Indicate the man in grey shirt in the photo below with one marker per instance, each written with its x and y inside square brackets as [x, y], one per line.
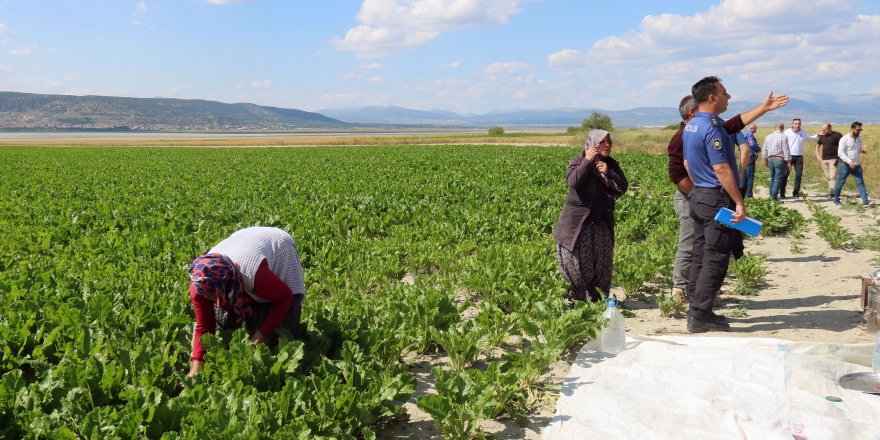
[777, 157]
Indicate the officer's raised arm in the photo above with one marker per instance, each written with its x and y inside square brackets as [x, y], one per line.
[770, 103]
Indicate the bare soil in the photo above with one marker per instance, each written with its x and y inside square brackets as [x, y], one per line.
[810, 295]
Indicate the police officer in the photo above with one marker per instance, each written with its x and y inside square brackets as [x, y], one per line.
[709, 155]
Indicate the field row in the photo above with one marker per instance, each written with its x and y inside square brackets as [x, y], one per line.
[96, 321]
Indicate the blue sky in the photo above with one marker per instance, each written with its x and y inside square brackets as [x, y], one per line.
[468, 56]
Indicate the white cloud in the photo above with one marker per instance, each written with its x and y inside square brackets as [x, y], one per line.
[6, 34]
[261, 84]
[389, 26]
[376, 42]
[372, 66]
[762, 44]
[21, 52]
[69, 78]
[352, 76]
[374, 79]
[503, 68]
[224, 2]
[452, 65]
[51, 84]
[141, 8]
[568, 62]
[340, 97]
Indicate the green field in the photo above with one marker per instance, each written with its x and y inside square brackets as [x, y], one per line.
[96, 322]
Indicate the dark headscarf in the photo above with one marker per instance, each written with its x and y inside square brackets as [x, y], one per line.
[217, 278]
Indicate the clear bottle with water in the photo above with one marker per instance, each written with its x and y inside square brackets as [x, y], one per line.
[875, 361]
[614, 335]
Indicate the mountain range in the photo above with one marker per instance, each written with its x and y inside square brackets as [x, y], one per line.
[813, 109]
[28, 111]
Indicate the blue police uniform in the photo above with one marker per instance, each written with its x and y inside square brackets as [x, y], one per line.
[753, 143]
[706, 143]
[748, 181]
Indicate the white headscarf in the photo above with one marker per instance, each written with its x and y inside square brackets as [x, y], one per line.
[594, 138]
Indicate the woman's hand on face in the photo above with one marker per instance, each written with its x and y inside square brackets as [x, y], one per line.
[602, 167]
[591, 153]
[197, 366]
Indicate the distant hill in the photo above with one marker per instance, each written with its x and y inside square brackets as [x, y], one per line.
[63, 112]
[28, 111]
[373, 114]
[811, 108]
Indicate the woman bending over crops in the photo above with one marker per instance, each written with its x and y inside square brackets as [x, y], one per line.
[585, 230]
[255, 277]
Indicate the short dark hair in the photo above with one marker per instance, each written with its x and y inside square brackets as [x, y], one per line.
[685, 106]
[855, 124]
[705, 87]
[796, 119]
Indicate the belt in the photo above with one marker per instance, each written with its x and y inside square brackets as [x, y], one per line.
[778, 157]
[712, 189]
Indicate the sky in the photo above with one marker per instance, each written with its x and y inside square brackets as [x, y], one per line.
[467, 56]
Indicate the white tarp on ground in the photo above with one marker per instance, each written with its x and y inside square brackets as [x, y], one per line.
[716, 388]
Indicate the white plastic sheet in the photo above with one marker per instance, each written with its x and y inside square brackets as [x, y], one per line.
[718, 388]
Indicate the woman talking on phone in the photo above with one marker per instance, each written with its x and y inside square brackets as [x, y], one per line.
[585, 230]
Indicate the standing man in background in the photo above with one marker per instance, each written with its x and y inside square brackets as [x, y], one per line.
[826, 155]
[711, 163]
[777, 157]
[849, 149]
[748, 180]
[796, 138]
[742, 151]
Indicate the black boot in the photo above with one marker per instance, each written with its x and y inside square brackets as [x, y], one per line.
[695, 325]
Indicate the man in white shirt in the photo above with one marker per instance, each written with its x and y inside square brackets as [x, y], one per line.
[849, 150]
[796, 138]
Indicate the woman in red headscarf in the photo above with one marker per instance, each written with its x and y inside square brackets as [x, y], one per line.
[585, 230]
[255, 277]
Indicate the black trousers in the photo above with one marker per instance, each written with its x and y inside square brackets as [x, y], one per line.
[797, 164]
[713, 244]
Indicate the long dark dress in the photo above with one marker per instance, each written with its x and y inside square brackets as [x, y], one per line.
[585, 230]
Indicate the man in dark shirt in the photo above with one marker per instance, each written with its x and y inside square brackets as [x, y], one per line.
[711, 163]
[678, 174]
[826, 154]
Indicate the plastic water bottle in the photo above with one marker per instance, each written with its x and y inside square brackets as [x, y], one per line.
[614, 336]
[875, 361]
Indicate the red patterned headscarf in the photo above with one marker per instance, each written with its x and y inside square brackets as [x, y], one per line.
[217, 278]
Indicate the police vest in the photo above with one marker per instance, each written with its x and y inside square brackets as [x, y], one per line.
[707, 143]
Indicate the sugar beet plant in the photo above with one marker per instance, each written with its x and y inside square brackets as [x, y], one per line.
[95, 321]
[829, 227]
[776, 219]
[749, 273]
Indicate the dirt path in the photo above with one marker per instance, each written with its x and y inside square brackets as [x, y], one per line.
[810, 296]
[813, 295]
